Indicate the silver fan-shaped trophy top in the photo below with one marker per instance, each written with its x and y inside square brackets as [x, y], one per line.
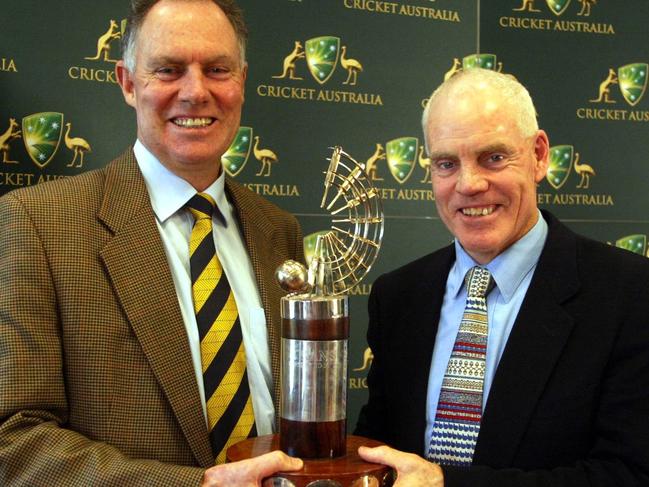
[344, 255]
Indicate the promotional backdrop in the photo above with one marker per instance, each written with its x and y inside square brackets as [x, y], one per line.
[356, 73]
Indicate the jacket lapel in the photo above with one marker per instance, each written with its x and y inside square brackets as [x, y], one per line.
[138, 269]
[414, 341]
[538, 337]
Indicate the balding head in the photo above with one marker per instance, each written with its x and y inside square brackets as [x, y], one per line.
[481, 89]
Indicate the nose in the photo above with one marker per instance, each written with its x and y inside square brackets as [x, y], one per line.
[470, 180]
[193, 88]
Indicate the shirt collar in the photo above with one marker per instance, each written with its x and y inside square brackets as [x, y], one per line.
[168, 192]
[508, 268]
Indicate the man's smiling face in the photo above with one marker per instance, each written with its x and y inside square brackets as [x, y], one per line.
[484, 171]
[187, 86]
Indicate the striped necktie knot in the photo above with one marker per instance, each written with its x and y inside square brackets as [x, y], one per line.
[478, 282]
[201, 205]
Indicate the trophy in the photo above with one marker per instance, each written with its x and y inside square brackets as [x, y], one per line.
[315, 334]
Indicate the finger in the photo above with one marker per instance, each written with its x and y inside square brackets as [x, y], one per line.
[276, 461]
[380, 454]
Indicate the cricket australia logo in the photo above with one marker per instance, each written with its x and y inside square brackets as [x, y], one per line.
[633, 82]
[478, 60]
[42, 136]
[322, 57]
[237, 155]
[557, 7]
[563, 161]
[400, 154]
[631, 79]
[235, 159]
[530, 17]
[636, 243]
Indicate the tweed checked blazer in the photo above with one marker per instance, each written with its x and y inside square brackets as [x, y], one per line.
[97, 385]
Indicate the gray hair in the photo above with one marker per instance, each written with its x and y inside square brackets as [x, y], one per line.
[140, 9]
[514, 94]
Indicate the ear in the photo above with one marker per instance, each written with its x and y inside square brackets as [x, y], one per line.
[126, 83]
[541, 154]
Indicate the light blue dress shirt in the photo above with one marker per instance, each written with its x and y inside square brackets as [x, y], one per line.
[512, 270]
[168, 194]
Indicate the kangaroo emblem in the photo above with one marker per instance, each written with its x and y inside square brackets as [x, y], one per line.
[527, 5]
[605, 88]
[11, 133]
[456, 68]
[370, 164]
[368, 356]
[103, 43]
[289, 62]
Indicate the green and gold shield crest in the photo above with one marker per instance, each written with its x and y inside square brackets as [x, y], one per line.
[322, 57]
[561, 159]
[558, 6]
[484, 61]
[401, 154]
[635, 243]
[42, 136]
[309, 244]
[236, 156]
[633, 81]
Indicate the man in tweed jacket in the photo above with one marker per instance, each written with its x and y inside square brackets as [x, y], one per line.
[98, 374]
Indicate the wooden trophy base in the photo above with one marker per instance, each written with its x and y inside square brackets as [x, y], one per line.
[349, 470]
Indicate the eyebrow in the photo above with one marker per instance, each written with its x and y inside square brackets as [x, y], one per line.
[487, 149]
[179, 61]
[434, 156]
[496, 147]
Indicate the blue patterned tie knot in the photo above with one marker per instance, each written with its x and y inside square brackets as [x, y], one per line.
[478, 282]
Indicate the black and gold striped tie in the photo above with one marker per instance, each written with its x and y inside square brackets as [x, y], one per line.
[230, 415]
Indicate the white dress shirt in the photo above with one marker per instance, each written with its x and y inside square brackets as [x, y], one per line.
[168, 194]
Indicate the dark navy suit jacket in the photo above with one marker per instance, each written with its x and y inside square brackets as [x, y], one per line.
[569, 404]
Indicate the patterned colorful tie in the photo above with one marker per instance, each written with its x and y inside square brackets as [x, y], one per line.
[457, 422]
[230, 415]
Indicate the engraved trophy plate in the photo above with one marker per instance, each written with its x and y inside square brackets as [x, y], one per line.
[315, 371]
